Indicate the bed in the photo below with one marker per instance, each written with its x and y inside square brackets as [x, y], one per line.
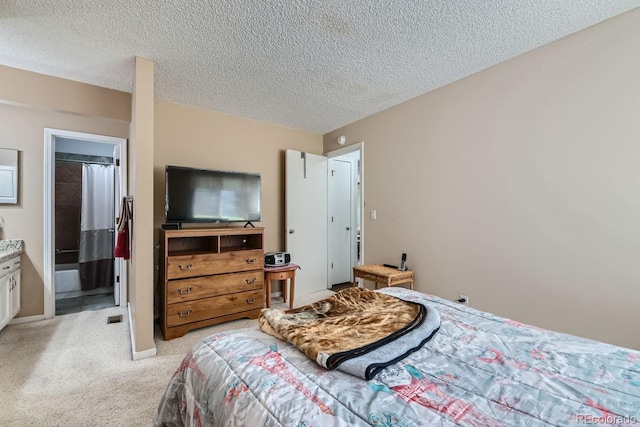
[477, 370]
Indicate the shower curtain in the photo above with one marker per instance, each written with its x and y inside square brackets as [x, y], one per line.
[97, 222]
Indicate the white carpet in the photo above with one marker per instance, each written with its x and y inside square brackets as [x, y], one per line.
[76, 370]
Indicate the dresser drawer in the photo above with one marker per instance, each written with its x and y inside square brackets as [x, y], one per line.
[209, 286]
[12, 264]
[282, 275]
[208, 308]
[183, 266]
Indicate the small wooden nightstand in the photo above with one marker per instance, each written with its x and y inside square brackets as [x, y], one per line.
[384, 275]
[285, 273]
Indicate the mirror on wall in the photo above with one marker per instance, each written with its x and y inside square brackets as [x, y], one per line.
[8, 176]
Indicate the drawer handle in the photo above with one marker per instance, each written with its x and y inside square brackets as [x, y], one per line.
[187, 314]
[184, 292]
[6, 267]
[250, 281]
[251, 260]
[185, 267]
[252, 300]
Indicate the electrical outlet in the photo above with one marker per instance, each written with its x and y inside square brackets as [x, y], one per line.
[463, 299]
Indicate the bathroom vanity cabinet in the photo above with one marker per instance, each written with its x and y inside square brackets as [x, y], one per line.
[9, 289]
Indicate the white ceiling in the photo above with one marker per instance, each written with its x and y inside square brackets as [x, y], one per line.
[310, 65]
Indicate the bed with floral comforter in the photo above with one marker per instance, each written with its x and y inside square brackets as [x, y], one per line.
[478, 370]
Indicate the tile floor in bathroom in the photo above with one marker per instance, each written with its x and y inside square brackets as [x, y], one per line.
[84, 303]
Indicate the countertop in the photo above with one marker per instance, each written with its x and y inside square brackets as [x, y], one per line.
[10, 248]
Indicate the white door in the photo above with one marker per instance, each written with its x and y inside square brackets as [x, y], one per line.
[306, 219]
[339, 222]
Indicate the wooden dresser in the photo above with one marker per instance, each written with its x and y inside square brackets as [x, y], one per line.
[209, 276]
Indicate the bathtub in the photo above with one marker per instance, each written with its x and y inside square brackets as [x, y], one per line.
[67, 283]
[67, 277]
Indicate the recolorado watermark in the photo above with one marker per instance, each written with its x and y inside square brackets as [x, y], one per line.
[607, 419]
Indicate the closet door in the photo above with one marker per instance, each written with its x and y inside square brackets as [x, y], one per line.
[340, 228]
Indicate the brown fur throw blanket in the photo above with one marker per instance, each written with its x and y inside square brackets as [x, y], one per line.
[356, 330]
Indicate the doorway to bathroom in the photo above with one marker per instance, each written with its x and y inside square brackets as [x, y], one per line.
[85, 178]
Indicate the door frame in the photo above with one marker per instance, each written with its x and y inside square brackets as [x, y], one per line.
[359, 146]
[49, 209]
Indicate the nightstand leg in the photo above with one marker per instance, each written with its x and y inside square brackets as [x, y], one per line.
[291, 291]
[284, 290]
[268, 293]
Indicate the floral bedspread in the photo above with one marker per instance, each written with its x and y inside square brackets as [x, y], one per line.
[479, 370]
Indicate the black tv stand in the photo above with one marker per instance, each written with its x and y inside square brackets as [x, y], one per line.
[172, 226]
[249, 224]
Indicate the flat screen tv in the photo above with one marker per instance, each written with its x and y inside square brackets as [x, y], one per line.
[207, 195]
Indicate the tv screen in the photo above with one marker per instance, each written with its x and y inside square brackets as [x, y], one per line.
[207, 195]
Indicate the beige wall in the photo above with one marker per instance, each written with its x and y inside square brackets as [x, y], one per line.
[188, 136]
[518, 186]
[30, 102]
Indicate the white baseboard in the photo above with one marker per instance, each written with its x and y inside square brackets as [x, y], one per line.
[137, 355]
[27, 319]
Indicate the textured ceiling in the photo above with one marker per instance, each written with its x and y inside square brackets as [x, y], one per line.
[304, 64]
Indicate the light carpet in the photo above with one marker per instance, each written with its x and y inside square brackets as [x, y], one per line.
[76, 370]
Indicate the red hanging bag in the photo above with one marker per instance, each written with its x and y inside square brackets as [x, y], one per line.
[122, 249]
